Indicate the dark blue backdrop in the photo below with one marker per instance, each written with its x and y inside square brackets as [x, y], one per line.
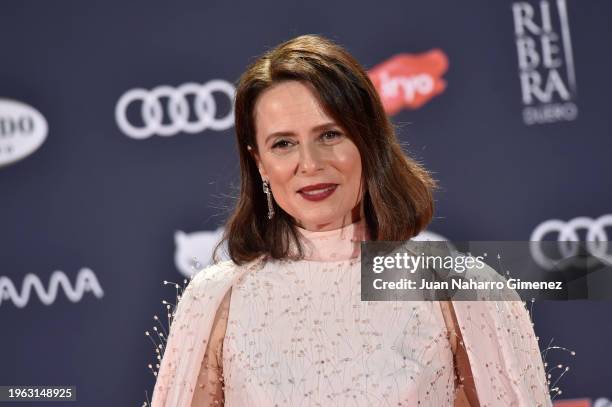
[93, 197]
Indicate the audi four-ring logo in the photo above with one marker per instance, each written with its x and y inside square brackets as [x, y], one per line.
[152, 112]
[567, 232]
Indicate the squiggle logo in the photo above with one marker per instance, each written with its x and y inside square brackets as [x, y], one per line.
[86, 281]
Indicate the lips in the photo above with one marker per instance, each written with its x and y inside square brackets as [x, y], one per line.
[317, 187]
[317, 192]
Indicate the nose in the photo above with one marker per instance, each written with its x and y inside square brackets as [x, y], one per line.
[311, 159]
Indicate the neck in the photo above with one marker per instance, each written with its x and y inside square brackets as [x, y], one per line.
[333, 245]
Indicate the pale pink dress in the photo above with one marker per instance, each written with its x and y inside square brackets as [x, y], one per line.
[298, 335]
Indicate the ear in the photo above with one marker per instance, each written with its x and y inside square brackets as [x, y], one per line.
[260, 167]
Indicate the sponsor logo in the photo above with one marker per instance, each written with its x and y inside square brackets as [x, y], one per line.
[190, 99]
[545, 61]
[193, 251]
[22, 131]
[600, 402]
[427, 236]
[408, 81]
[573, 403]
[86, 281]
[567, 232]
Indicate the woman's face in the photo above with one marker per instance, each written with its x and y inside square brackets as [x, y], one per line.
[313, 167]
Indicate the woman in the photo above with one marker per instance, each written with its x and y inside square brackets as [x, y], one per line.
[282, 322]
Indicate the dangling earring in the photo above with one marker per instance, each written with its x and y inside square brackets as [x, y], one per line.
[266, 189]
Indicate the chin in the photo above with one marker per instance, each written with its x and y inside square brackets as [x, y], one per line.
[319, 213]
[320, 220]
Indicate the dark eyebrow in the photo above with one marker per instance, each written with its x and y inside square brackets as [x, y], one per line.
[316, 129]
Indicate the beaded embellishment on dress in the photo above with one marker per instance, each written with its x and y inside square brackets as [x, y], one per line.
[282, 332]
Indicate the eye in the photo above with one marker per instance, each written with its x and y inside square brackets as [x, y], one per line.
[331, 135]
[281, 144]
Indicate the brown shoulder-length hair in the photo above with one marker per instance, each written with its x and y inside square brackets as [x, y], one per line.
[397, 199]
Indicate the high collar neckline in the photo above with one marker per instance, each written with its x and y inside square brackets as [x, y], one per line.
[339, 244]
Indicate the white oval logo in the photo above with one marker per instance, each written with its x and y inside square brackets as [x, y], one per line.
[22, 130]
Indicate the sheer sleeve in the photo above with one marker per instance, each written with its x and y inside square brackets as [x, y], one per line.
[209, 391]
[190, 332]
[498, 351]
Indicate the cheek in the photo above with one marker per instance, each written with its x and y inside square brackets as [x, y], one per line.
[349, 163]
[356, 176]
[280, 172]
[278, 169]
